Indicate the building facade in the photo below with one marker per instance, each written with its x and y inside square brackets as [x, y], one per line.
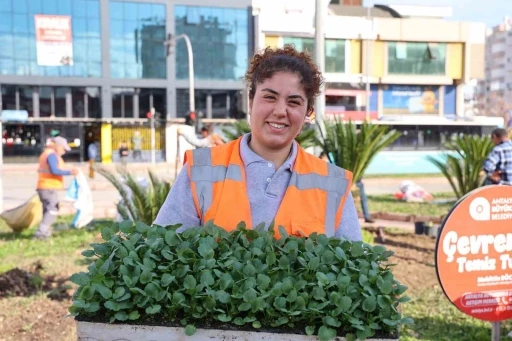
[496, 90]
[416, 62]
[93, 69]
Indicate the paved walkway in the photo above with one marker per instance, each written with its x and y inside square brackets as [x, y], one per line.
[19, 182]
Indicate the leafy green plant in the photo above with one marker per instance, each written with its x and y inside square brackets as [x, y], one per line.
[305, 139]
[368, 237]
[237, 129]
[138, 202]
[353, 148]
[463, 162]
[244, 279]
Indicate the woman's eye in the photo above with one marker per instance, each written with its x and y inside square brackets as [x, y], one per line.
[295, 102]
[269, 97]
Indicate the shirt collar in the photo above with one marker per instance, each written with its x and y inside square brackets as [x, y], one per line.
[249, 156]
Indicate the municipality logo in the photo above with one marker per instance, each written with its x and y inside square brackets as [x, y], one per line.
[480, 209]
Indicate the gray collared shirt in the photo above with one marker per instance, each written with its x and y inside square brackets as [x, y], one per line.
[266, 187]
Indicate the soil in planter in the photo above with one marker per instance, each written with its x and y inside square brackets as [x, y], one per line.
[159, 320]
[19, 282]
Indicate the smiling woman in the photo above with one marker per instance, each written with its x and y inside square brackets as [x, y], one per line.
[265, 176]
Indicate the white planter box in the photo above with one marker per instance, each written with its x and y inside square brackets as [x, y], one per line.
[88, 331]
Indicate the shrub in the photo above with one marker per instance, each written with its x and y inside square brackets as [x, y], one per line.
[353, 148]
[139, 201]
[244, 279]
[462, 163]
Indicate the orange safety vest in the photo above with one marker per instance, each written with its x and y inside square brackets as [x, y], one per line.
[313, 201]
[46, 179]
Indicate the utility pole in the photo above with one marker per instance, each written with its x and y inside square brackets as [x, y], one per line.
[153, 142]
[367, 61]
[320, 16]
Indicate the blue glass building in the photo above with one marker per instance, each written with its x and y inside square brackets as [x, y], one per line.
[118, 68]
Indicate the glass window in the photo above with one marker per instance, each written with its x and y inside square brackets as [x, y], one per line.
[18, 6]
[78, 98]
[25, 94]
[152, 98]
[6, 66]
[408, 140]
[301, 44]
[5, 23]
[60, 101]
[334, 55]
[225, 103]
[219, 38]
[17, 31]
[45, 101]
[334, 51]
[8, 97]
[93, 102]
[137, 36]
[407, 58]
[7, 43]
[122, 102]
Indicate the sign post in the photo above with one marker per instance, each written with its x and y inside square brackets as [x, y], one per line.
[153, 144]
[473, 260]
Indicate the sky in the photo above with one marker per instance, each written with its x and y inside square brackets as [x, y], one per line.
[490, 12]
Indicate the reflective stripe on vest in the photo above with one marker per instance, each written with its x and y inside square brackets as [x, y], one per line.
[204, 175]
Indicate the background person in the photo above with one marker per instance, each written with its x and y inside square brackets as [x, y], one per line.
[188, 132]
[498, 165]
[267, 178]
[51, 171]
[137, 146]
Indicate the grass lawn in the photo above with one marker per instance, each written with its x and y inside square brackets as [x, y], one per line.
[436, 319]
[389, 204]
[41, 317]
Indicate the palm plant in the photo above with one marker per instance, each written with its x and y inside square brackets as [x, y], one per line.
[463, 162]
[138, 202]
[237, 129]
[354, 148]
[305, 139]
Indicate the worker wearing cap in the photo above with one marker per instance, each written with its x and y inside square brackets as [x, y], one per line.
[51, 172]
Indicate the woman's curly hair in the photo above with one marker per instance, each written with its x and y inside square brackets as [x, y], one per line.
[287, 59]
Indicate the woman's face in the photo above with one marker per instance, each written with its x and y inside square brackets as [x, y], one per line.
[278, 110]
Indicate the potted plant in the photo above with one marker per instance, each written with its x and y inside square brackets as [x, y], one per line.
[152, 283]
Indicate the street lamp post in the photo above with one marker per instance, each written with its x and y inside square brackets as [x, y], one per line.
[170, 42]
[367, 62]
[320, 16]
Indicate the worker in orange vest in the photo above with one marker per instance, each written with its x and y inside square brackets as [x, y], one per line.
[51, 172]
[265, 176]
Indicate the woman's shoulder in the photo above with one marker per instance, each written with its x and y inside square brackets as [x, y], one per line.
[311, 161]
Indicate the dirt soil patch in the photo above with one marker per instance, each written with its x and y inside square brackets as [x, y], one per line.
[23, 283]
[414, 256]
